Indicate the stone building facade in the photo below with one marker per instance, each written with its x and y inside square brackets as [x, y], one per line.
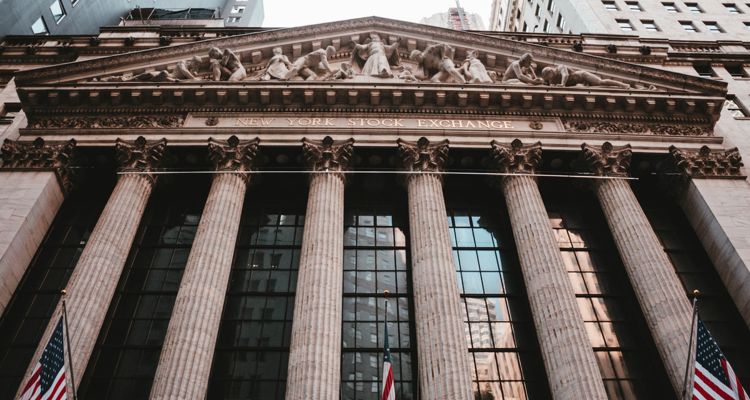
[227, 210]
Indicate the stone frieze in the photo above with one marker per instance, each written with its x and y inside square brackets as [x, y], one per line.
[578, 126]
[107, 122]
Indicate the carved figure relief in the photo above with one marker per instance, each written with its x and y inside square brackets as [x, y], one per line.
[183, 71]
[560, 75]
[474, 70]
[407, 75]
[311, 65]
[345, 71]
[708, 164]
[437, 63]
[277, 66]
[132, 121]
[521, 71]
[225, 65]
[375, 58]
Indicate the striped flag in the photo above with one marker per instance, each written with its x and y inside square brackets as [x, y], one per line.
[48, 382]
[389, 391]
[714, 378]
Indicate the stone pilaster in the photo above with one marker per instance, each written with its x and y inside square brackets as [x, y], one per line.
[714, 199]
[444, 366]
[314, 370]
[33, 180]
[185, 361]
[95, 277]
[663, 301]
[569, 360]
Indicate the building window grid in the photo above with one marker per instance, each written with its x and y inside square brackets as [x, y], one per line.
[127, 351]
[58, 11]
[671, 7]
[688, 26]
[375, 259]
[492, 297]
[39, 27]
[732, 8]
[694, 8]
[610, 6]
[713, 26]
[32, 305]
[634, 6]
[650, 25]
[601, 301]
[625, 25]
[252, 351]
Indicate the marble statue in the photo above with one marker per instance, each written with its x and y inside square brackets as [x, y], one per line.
[407, 75]
[559, 75]
[309, 66]
[375, 58]
[437, 63]
[474, 70]
[226, 66]
[184, 70]
[521, 71]
[277, 66]
[345, 71]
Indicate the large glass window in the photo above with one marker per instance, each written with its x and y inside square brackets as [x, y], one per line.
[499, 331]
[696, 271]
[39, 27]
[29, 311]
[58, 11]
[252, 351]
[375, 260]
[127, 351]
[627, 358]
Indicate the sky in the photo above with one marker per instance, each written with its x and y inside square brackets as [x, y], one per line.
[290, 13]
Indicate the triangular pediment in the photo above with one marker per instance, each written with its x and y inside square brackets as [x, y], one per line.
[164, 65]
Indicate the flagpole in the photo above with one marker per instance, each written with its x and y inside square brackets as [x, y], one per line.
[686, 381]
[67, 344]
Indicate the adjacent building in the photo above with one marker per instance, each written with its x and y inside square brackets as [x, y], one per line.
[456, 18]
[226, 225]
[708, 20]
[68, 17]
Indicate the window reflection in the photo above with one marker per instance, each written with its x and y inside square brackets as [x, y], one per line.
[375, 260]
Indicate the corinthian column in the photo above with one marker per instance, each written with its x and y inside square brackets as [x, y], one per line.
[663, 301]
[94, 279]
[568, 357]
[444, 367]
[185, 362]
[315, 353]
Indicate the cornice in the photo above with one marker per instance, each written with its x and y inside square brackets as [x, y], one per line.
[435, 34]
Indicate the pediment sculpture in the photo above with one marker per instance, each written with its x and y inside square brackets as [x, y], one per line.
[371, 61]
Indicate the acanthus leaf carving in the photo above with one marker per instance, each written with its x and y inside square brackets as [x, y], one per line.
[39, 155]
[328, 155]
[706, 163]
[607, 160]
[232, 154]
[140, 156]
[516, 158]
[108, 122]
[423, 156]
[635, 128]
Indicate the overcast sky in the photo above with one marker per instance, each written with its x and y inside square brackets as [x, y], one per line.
[289, 13]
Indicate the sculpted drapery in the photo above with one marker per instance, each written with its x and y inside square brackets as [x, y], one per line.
[375, 58]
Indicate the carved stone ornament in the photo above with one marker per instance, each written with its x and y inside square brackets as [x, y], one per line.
[233, 155]
[40, 156]
[636, 128]
[708, 164]
[327, 155]
[516, 159]
[607, 160]
[140, 156]
[423, 156]
[133, 121]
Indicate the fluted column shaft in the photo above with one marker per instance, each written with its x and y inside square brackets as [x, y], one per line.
[185, 362]
[444, 367]
[568, 357]
[315, 353]
[662, 298]
[95, 277]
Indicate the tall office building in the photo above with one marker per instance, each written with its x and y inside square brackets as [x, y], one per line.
[539, 208]
[456, 18]
[696, 20]
[70, 17]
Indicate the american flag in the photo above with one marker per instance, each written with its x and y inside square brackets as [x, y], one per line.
[714, 378]
[389, 391]
[48, 382]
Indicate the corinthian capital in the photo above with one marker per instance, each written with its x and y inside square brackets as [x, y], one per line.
[140, 156]
[423, 156]
[516, 158]
[40, 156]
[607, 160]
[233, 155]
[705, 163]
[327, 155]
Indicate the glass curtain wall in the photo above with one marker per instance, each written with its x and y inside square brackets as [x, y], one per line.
[32, 305]
[124, 360]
